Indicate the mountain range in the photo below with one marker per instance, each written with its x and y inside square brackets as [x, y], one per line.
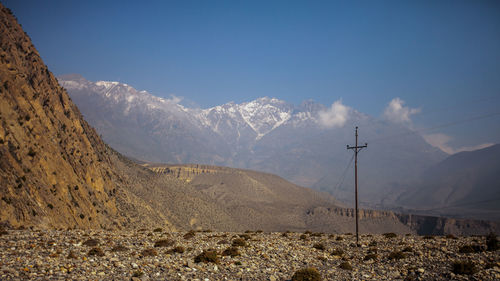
[305, 144]
[466, 184]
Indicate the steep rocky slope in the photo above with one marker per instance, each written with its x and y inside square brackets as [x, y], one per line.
[55, 171]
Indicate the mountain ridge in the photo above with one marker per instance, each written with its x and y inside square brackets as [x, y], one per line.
[266, 135]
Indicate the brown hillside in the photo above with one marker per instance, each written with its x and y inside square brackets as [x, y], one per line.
[55, 171]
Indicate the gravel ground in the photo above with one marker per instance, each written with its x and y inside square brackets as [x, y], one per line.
[132, 255]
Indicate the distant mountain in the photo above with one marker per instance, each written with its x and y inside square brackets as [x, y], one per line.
[466, 183]
[299, 143]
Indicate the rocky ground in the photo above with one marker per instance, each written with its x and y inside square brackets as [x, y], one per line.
[158, 255]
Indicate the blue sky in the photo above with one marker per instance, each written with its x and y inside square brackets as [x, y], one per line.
[441, 57]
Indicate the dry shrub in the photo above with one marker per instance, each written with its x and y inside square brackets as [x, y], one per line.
[306, 274]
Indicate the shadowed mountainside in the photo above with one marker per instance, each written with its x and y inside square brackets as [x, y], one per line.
[464, 184]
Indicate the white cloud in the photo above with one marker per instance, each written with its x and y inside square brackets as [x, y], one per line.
[335, 116]
[398, 113]
[441, 141]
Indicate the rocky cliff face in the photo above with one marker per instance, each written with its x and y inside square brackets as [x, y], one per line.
[55, 171]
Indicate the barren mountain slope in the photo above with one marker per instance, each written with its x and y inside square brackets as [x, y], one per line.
[55, 171]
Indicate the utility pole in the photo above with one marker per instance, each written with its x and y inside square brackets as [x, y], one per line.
[356, 149]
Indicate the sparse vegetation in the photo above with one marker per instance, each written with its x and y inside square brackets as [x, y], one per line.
[306, 274]
[407, 249]
[463, 267]
[370, 257]
[206, 257]
[319, 246]
[390, 235]
[189, 235]
[345, 265]
[159, 229]
[72, 255]
[468, 249]
[231, 251]
[137, 273]
[149, 252]
[303, 237]
[91, 242]
[96, 251]
[164, 243]
[451, 236]
[245, 236]
[119, 248]
[238, 242]
[337, 252]
[339, 238]
[396, 255]
[31, 152]
[492, 242]
[177, 249]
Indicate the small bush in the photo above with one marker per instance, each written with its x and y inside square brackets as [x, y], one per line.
[164, 243]
[177, 249]
[245, 236]
[137, 273]
[238, 242]
[337, 252]
[159, 229]
[31, 152]
[231, 251]
[119, 248]
[339, 238]
[451, 236]
[370, 257]
[372, 244]
[463, 267]
[428, 237]
[303, 237]
[96, 251]
[408, 249]
[390, 235]
[223, 241]
[306, 274]
[91, 242]
[206, 257]
[72, 255]
[468, 249]
[492, 242]
[149, 252]
[396, 255]
[50, 206]
[284, 234]
[317, 234]
[189, 235]
[346, 265]
[307, 232]
[319, 246]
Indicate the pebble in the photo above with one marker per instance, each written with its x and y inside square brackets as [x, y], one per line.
[27, 254]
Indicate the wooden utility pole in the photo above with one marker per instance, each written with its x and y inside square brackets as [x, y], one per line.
[356, 149]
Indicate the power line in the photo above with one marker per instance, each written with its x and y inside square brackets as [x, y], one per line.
[445, 125]
[341, 181]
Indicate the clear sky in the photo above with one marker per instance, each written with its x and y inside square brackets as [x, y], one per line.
[441, 58]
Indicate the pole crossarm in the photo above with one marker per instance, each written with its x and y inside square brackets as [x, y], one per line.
[357, 148]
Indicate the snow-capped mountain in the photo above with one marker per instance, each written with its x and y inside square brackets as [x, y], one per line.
[305, 144]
